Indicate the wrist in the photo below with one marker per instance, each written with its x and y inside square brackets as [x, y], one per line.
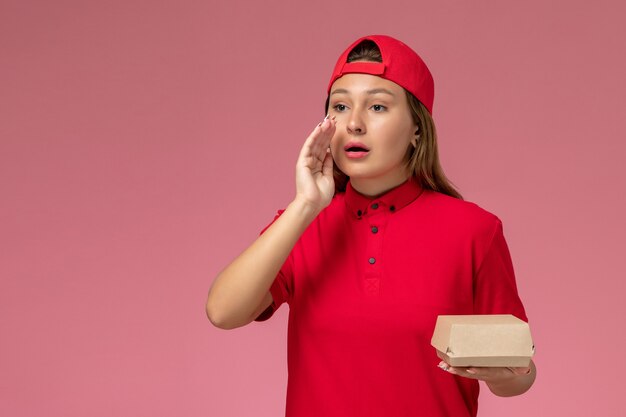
[303, 209]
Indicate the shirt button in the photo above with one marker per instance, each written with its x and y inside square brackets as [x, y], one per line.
[392, 208]
[359, 212]
[374, 229]
[375, 206]
[372, 260]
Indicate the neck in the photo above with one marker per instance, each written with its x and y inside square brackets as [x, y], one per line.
[372, 188]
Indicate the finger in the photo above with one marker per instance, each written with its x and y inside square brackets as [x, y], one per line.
[327, 169]
[467, 372]
[319, 161]
[461, 371]
[307, 146]
[519, 370]
[444, 365]
[314, 146]
[489, 373]
[321, 142]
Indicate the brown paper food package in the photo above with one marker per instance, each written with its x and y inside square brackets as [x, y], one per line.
[483, 340]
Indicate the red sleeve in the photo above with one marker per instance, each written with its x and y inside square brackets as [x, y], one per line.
[280, 288]
[495, 289]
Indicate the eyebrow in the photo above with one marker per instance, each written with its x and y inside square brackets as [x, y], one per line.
[374, 91]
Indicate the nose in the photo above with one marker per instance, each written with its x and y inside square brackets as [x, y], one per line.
[355, 124]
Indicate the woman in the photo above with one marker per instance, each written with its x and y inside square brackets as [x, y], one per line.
[375, 245]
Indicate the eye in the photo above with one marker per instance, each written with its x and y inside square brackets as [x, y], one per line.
[379, 107]
[339, 107]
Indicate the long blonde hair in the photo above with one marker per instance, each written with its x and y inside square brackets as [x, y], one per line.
[422, 160]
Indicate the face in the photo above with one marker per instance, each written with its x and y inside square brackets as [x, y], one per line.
[374, 131]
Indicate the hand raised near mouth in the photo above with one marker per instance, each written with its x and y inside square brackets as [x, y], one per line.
[315, 185]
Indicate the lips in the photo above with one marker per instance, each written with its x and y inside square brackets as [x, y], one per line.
[355, 147]
[356, 150]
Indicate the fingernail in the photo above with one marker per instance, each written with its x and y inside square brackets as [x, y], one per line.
[326, 116]
[470, 371]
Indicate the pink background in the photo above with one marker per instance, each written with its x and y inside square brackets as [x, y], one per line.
[144, 144]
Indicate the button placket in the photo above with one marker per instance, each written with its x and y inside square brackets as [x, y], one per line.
[376, 220]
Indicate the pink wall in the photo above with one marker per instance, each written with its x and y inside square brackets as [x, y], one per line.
[144, 144]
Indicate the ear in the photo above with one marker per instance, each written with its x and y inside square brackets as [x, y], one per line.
[415, 138]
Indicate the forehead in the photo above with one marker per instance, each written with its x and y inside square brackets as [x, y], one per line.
[361, 83]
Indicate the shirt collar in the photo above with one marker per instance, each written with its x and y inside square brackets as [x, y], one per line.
[393, 200]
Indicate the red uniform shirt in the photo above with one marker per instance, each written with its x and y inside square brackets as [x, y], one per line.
[365, 283]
